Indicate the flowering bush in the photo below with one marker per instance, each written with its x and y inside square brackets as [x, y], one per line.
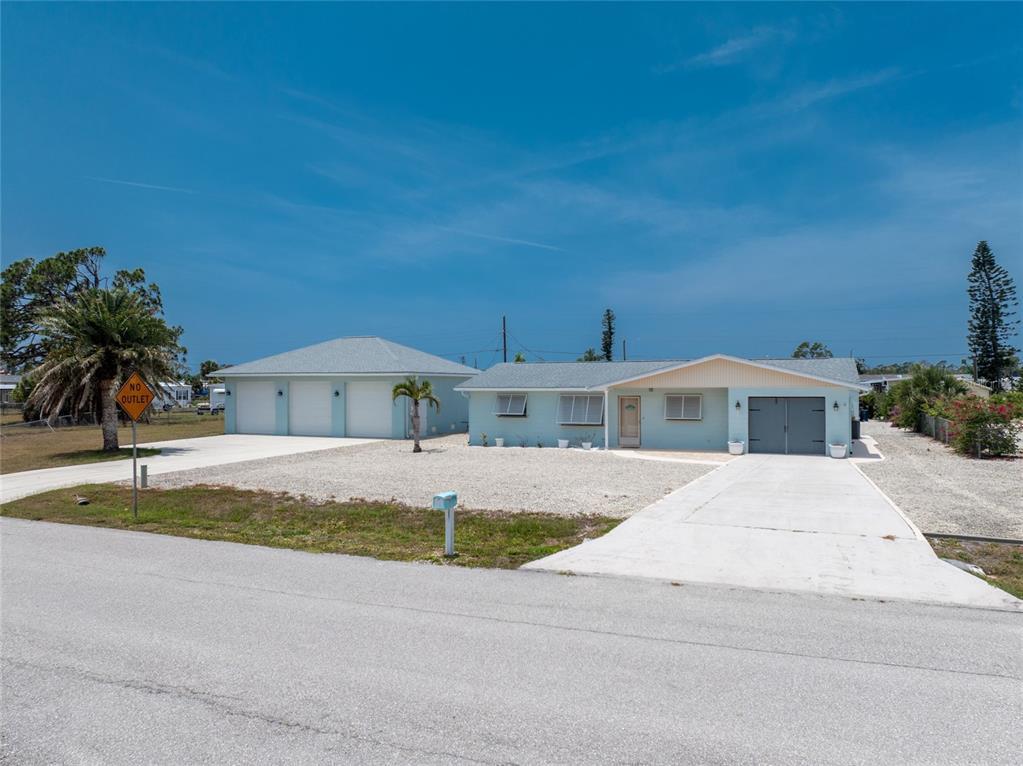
[984, 427]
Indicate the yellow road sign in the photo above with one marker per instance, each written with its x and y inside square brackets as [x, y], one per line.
[134, 396]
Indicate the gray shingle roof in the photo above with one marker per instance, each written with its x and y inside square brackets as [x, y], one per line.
[578, 375]
[356, 355]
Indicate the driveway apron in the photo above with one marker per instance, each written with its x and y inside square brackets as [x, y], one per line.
[780, 522]
[176, 455]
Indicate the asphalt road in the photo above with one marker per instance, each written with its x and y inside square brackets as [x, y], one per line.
[122, 647]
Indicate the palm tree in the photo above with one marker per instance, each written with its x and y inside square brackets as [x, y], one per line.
[418, 391]
[95, 341]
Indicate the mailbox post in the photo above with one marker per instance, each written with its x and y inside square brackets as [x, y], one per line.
[446, 501]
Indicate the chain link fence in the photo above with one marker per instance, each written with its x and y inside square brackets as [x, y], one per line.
[935, 427]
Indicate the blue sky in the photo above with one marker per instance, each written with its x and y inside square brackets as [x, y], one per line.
[728, 178]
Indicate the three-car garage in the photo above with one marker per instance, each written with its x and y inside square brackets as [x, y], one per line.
[342, 388]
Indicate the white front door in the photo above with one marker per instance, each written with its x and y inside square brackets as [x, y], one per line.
[628, 421]
[368, 409]
[256, 407]
[309, 408]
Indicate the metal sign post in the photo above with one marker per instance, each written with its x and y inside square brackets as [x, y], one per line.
[134, 397]
[134, 473]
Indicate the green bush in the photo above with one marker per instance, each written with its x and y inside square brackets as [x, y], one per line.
[985, 427]
[1014, 398]
[911, 396]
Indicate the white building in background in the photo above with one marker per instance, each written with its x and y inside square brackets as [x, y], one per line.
[174, 394]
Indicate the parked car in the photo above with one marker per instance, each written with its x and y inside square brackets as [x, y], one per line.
[207, 409]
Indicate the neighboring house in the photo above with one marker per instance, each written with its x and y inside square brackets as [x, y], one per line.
[881, 383]
[342, 388]
[173, 393]
[794, 406]
[7, 385]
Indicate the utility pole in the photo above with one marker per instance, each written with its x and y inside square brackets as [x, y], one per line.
[504, 336]
[624, 355]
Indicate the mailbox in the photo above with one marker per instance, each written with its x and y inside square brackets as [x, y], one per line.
[445, 501]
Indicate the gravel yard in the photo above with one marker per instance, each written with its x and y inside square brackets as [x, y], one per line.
[944, 492]
[486, 478]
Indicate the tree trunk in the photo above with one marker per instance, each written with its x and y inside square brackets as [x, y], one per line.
[415, 426]
[109, 417]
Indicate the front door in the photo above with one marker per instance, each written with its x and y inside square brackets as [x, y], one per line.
[628, 421]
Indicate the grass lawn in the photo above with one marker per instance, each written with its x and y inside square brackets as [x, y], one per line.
[1002, 563]
[361, 528]
[23, 449]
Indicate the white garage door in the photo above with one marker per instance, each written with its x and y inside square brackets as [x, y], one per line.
[255, 408]
[309, 408]
[368, 410]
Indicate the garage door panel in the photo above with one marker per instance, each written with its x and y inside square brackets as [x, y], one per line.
[368, 409]
[309, 408]
[806, 426]
[767, 424]
[255, 407]
[787, 425]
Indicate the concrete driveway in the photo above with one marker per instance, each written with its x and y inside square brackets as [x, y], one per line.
[781, 523]
[176, 455]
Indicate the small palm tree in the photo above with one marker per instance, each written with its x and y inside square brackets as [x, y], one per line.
[95, 340]
[418, 391]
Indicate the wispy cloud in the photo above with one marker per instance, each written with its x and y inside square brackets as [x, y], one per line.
[140, 185]
[732, 50]
[813, 94]
[496, 238]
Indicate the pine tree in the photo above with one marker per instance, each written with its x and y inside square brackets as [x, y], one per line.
[607, 338]
[991, 327]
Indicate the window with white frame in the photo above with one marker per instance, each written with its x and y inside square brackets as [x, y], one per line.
[683, 407]
[581, 409]
[511, 405]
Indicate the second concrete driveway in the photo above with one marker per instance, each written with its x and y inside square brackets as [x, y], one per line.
[176, 455]
[781, 523]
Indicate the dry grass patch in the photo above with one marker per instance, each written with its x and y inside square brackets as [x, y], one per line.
[1001, 562]
[384, 530]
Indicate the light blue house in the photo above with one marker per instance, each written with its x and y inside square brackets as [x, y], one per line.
[788, 406]
[342, 388]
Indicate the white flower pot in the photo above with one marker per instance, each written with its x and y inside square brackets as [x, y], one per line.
[562, 443]
[587, 445]
[837, 450]
[499, 441]
[735, 448]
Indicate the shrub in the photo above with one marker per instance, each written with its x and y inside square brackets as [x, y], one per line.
[988, 426]
[911, 395]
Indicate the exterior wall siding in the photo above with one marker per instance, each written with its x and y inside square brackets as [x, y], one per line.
[453, 417]
[708, 433]
[722, 373]
[539, 424]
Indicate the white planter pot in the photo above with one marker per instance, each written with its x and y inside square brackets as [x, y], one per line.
[735, 448]
[587, 445]
[562, 443]
[837, 450]
[499, 441]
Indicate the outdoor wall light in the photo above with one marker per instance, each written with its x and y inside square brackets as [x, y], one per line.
[738, 405]
[281, 393]
[835, 406]
[228, 392]
[337, 394]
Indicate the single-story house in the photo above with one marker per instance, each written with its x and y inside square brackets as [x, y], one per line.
[342, 387]
[882, 382]
[789, 406]
[7, 385]
[174, 393]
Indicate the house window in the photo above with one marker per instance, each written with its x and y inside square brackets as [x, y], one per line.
[511, 405]
[581, 410]
[683, 407]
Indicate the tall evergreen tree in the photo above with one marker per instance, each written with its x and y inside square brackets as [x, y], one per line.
[992, 308]
[607, 338]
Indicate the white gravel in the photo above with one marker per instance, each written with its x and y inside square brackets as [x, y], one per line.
[945, 492]
[486, 478]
